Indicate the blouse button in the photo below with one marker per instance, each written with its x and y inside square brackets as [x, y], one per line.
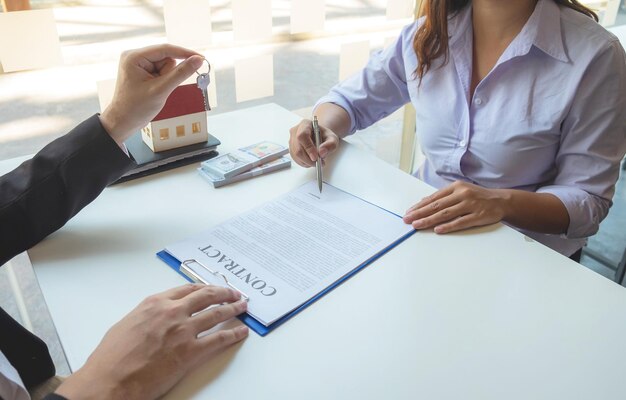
[478, 101]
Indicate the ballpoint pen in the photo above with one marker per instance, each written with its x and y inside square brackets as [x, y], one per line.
[318, 163]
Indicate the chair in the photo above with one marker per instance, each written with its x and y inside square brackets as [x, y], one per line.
[620, 267]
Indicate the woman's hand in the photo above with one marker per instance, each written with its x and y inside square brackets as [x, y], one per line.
[301, 144]
[153, 347]
[458, 206]
[145, 79]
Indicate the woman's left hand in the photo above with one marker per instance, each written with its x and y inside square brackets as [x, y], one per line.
[458, 206]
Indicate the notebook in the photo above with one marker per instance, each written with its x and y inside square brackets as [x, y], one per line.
[149, 162]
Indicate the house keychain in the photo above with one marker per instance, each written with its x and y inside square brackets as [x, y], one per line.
[203, 81]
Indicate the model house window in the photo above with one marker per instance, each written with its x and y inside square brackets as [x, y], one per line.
[195, 127]
[164, 134]
[180, 130]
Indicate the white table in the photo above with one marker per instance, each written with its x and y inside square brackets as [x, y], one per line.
[484, 314]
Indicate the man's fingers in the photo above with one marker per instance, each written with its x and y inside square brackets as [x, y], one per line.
[208, 296]
[177, 75]
[160, 51]
[181, 291]
[207, 319]
[221, 339]
[164, 66]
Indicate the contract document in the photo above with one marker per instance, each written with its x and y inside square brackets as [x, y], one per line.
[286, 252]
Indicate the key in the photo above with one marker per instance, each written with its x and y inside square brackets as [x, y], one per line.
[203, 81]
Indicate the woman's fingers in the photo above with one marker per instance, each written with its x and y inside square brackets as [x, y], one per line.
[302, 147]
[299, 141]
[458, 224]
[439, 194]
[440, 217]
[427, 209]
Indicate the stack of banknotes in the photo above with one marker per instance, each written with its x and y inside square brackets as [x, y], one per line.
[244, 163]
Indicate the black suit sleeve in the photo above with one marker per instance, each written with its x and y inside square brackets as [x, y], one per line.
[43, 193]
[36, 199]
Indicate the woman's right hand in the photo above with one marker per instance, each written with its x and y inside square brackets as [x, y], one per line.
[302, 146]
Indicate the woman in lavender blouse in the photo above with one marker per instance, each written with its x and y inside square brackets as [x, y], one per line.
[521, 115]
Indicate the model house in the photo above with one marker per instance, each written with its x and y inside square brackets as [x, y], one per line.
[181, 122]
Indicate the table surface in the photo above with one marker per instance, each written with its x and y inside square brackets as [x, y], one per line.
[483, 314]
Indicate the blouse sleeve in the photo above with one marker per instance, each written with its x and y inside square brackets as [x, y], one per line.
[593, 143]
[379, 89]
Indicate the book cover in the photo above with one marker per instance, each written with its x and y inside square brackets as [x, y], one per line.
[149, 162]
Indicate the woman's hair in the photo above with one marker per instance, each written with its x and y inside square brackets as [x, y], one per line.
[431, 39]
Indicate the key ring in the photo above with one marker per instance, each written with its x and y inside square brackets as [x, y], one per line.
[207, 63]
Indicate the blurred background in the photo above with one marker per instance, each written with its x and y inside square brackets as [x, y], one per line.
[58, 63]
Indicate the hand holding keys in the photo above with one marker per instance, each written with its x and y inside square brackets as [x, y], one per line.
[203, 81]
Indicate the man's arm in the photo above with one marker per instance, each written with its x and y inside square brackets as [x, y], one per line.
[154, 346]
[145, 354]
[43, 193]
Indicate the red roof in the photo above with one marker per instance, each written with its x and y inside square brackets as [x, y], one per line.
[185, 99]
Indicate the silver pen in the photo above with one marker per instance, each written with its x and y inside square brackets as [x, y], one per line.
[318, 163]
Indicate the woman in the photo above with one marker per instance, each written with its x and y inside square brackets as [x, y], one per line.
[520, 110]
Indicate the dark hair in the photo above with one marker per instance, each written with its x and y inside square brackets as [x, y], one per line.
[431, 39]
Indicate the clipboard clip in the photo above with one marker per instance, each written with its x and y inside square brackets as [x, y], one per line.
[194, 276]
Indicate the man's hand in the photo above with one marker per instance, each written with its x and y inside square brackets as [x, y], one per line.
[145, 79]
[458, 206]
[153, 347]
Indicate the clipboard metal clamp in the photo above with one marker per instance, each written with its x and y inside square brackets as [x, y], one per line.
[194, 276]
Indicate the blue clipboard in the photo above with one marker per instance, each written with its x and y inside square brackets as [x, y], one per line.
[257, 326]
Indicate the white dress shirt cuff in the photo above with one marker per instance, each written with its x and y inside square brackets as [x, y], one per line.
[11, 385]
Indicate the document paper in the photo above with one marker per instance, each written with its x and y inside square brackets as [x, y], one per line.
[285, 252]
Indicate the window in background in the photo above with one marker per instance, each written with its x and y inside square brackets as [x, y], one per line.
[37, 106]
